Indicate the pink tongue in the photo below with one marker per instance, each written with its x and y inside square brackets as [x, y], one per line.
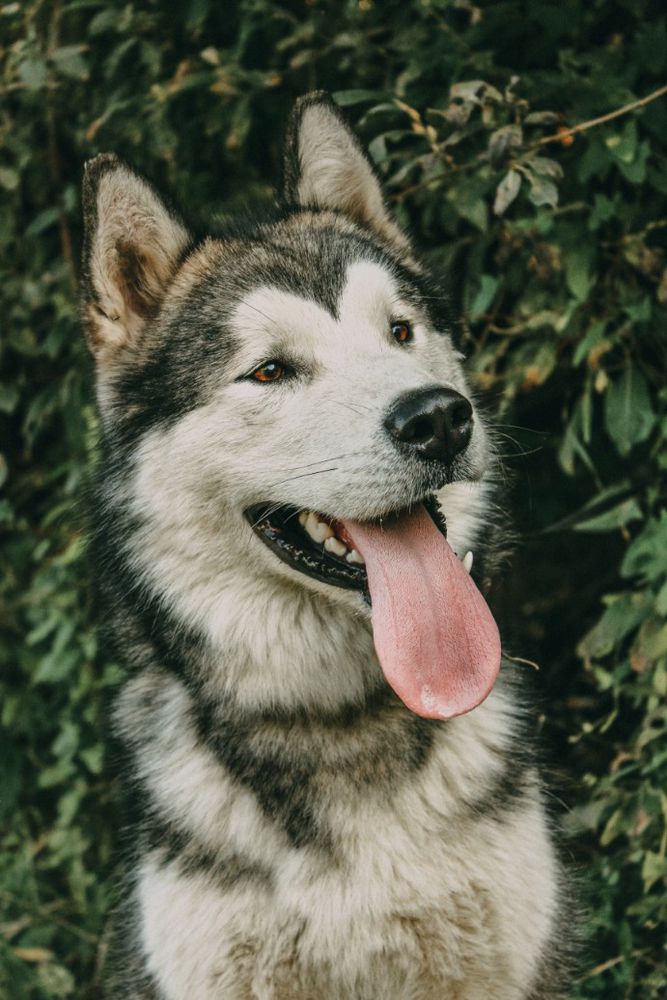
[434, 634]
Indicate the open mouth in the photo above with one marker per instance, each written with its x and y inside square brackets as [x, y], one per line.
[434, 635]
[319, 545]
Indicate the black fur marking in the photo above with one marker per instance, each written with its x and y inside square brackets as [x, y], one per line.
[127, 977]
[282, 787]
[509, 788]
[173, 846]
[289, 761]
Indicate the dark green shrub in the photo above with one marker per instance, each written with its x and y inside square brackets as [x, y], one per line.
[555, 245]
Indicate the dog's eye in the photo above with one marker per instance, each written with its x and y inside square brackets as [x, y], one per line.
[401, 331]
[270, 371]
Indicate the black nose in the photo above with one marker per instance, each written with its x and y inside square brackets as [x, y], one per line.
[433, 423]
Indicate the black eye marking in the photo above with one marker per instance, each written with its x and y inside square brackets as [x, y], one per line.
[401, 331]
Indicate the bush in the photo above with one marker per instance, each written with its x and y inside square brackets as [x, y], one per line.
[494, 131]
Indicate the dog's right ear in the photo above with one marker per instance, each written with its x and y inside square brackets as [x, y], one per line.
[132, 248]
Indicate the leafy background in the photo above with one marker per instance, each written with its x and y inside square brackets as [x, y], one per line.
[556, 248]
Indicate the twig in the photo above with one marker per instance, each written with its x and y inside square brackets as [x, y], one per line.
[609, 964]
[480, 158]
[584, 126]
[45, 912]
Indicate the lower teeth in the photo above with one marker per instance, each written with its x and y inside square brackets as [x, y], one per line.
[321, 533]
[333, 545]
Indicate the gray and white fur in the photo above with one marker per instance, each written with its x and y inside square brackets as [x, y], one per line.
[294, 830]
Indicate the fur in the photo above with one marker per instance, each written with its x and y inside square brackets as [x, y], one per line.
[295, 832]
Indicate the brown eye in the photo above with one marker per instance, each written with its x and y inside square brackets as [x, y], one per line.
[401, 331]
[272, 371]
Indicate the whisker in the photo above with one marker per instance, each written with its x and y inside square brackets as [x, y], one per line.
[518, 427]
[304, 475]
[267, 513]
[519, 454]
[309, 465]
[255, 309]
[321, 461]
[349, 406]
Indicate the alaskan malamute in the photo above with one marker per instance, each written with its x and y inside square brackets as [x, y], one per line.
[331, 792]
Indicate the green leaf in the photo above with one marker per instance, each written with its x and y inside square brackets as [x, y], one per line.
[624, 612]
[579, 273]
[654, 869]
[594, 336]
[56, 980]
[42, 222]
[646, 554]
[9, 397]
[543, 192]
[541, 118]
[603, 210]
[545, 167]
[620, 515]
[346, 98]
[377, 149]
[69, 61]
[635, 172]
[9, 178]
[623, 145]
[507, 191]
[485, 295]
[470, 205]
[629, 416]
[503, 143]
[33, 73]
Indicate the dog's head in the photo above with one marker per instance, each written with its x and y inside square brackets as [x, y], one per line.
[288, 405]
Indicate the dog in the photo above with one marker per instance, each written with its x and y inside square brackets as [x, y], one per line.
[331, 789]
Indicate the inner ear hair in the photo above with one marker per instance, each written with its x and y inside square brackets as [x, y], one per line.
[326, 168]
[133, 244]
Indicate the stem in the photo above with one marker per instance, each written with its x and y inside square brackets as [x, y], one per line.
[584, 126]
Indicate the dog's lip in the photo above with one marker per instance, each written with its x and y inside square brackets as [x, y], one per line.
[279, 528]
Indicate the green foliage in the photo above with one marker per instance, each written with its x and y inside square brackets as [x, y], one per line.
[556, 245]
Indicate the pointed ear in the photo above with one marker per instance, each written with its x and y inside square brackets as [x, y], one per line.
[325, 167]
[132, 247]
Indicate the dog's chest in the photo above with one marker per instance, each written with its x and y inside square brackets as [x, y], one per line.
[400, 897]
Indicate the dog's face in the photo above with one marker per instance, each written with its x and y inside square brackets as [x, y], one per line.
[283, 391]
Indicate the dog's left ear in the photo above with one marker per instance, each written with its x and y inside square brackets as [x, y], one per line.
[326, 168]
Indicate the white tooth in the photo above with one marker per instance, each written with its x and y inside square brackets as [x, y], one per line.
[333, 544]
[303, 517]
[467, 562]
[311, 524]
[355, 557]
[317, 529]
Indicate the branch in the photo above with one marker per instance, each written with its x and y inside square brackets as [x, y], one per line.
[557, 137]
[584, 126]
